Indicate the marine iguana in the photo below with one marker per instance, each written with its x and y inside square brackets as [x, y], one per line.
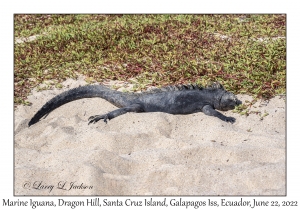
[180, 99]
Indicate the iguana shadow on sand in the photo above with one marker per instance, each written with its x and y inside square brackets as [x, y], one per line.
[182, 99]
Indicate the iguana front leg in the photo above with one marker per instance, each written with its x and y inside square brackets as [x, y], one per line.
[116, 113]
[209, 110]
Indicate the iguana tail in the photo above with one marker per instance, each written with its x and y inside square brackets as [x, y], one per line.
[91, 91]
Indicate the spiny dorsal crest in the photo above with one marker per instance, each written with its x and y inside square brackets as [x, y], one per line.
[215, 85]
[176, 88]
[212, 86]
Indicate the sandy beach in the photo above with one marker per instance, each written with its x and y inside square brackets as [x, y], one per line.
[148, 153]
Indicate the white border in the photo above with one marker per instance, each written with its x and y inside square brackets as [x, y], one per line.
[153, 6]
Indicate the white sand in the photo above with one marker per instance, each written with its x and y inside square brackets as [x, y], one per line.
[148, 153]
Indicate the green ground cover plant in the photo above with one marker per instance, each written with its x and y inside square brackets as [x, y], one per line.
[245, 53]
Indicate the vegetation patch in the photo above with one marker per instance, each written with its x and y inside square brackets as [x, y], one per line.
[246, 53]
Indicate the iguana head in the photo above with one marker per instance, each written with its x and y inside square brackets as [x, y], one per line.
[224, 100]
[228, 101]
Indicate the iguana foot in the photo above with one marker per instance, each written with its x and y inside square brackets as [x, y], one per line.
[229, 119]
[96, 118]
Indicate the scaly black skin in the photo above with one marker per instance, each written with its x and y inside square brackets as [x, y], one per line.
[173, 100]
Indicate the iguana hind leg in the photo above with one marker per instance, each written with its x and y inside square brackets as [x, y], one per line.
[116, 113]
